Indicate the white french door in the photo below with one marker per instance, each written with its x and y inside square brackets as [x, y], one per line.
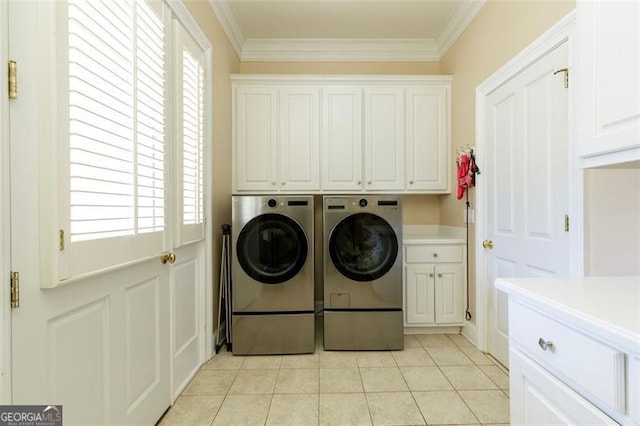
[114, 343]
[527, 177]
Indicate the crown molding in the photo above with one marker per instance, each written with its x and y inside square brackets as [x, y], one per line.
[345, 49]
[339, 50]
[456, 24]
[227, 18]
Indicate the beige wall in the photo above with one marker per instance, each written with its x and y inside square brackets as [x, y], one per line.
[612, 222]
[225, 62]
[499, 32]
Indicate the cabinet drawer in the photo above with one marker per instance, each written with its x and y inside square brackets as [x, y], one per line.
[595, 368]
[433, 253]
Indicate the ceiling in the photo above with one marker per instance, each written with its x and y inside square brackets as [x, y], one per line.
[393, 30]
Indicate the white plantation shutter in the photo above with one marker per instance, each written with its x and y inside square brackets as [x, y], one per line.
[132, 133]
[116, 119]
[191, 122]
[116, 141]
[150, 121]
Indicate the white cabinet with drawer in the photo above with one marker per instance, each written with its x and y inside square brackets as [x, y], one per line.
[574, 346]
[434, 285]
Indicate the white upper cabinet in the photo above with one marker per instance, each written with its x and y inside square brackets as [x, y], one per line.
[384, 138]
[299, 139]
[341, 139]
[609, 82]
[276, 138]
[427, 139]
[256, 138]
[337, 134]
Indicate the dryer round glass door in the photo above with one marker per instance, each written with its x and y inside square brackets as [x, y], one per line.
[363, 247]
[272, 248]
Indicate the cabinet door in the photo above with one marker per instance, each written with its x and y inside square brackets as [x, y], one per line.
[427, 139]
[609, 82]
[341, 142]
[384, 138]
[449, 291]
[299, 153]
[539, 398]
[256, 136]
[419, 294]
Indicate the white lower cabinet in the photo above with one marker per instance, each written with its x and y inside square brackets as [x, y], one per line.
[434, 285]
[434, 294]
[561, 375]
[539, 398]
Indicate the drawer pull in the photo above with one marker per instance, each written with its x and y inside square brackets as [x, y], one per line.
[544, 344]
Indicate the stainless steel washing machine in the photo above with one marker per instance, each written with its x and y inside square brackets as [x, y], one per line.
[362, 272]
[272, 275]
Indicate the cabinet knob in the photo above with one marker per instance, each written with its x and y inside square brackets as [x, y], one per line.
[410, 182]
[273, 183]
[431, 275]
[439, 275]
[435, 254]
[545, 344]
[359, 182]
[284, 183]
[369, 183]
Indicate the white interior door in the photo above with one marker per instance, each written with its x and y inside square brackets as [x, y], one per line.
[526, 169]
[98, 345]
[111, 345]
[187, 274]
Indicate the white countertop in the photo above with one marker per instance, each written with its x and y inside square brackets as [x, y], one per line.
[607, 307]
[433, 234]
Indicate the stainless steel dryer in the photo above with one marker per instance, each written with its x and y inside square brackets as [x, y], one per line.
[272, 274]
[362, 272]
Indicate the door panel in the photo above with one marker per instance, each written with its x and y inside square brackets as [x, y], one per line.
[187, 309]
[299, 139]
[142, 311]
[449, 294]
[384, 138]
[341, 139]
[80, 378]
[527, 175]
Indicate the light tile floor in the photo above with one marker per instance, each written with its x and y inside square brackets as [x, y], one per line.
[435, 380]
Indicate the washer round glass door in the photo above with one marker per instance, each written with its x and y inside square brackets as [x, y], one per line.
[272, 248]
[363, 247]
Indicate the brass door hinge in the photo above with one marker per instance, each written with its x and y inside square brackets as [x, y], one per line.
[61, 240]
[566, 76]
[566, 223]
[13, 79]
[15, 289]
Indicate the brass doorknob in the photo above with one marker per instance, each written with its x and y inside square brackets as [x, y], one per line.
[487, 244]
[168, 257]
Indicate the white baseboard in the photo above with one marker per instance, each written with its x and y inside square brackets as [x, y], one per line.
[432, 330]
[470, 331]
